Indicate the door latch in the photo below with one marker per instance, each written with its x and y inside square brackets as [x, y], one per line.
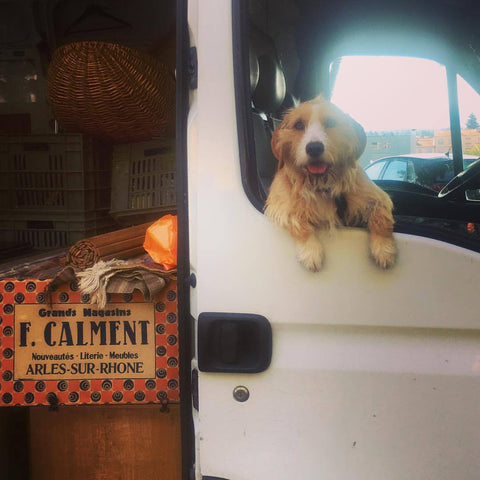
[234, 343]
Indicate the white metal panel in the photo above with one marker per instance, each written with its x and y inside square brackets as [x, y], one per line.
[313, 422]
[375, 374]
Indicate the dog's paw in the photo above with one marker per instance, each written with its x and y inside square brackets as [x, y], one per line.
[383, 251]
[310, 254]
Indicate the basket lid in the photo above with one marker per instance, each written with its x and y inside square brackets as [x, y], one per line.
[111, 91]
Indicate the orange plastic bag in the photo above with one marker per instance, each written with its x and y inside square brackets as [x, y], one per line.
[161, 241]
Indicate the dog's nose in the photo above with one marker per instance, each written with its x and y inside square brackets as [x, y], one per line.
[315, 149]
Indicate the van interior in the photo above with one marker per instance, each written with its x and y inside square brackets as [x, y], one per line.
[87, 120]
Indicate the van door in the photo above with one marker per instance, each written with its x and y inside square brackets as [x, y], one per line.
[350, 373]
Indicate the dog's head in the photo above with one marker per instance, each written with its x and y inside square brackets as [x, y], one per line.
[319, 141]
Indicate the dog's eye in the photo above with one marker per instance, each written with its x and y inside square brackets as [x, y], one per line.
[330, 123]
[299, 125]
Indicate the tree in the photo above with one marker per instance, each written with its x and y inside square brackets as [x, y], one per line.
[475, 150]
[472, 121]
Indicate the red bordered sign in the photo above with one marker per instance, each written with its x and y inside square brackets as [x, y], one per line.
[72, 353]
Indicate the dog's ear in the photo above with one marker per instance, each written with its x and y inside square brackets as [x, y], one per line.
[276, 149]
[361, 138]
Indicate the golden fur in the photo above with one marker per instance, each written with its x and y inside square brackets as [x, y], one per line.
[317, 147]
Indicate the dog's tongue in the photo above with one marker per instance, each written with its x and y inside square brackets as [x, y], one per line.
[317, 168]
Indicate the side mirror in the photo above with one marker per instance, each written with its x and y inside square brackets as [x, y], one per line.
[468, 179]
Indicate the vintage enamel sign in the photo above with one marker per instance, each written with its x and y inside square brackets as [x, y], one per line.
[78, 341]
[70, 352]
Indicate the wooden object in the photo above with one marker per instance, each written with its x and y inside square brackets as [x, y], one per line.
[121, 244]
[102, 443]
[14, 444]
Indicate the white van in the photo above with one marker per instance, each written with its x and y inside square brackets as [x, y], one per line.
[353, 372]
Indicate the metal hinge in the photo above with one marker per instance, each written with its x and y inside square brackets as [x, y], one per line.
[195, 388]
[193, 69]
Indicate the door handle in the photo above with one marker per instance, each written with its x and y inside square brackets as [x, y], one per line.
[234, 343]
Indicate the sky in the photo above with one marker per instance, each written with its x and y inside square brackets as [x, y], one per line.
[396, 93]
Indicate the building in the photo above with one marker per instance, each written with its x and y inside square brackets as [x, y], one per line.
[442, 140]
[425, 145]
[386, 144]
[470, 139]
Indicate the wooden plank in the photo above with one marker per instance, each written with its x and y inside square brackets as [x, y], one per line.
[14, 443]
[105, 443]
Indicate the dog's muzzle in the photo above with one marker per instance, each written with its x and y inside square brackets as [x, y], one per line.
[315, 149]
[316, 166]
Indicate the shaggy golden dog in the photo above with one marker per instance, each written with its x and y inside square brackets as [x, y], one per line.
[319, 185]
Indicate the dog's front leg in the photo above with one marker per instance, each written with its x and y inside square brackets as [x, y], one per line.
[310, 251]
[382, 243]
[309, 246]
[371, 206]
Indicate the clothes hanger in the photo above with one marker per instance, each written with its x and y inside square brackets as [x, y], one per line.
[93, 10]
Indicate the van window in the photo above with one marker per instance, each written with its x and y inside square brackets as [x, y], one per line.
[469, 109]
[400, 88]
[401, 102]
[407, 111]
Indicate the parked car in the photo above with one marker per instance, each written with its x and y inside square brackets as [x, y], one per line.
[432, 171]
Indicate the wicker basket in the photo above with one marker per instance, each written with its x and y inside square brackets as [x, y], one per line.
[111, 91]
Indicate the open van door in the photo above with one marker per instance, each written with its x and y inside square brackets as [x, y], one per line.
[353, 372]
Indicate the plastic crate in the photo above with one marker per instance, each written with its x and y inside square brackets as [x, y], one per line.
[54, 189]
[54, 173]
[143, 180]
[27, 98]
[46, 232]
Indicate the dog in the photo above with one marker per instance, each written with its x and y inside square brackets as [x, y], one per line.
[319, 185]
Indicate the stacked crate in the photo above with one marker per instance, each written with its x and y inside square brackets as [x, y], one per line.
[54, 189]
[143, 181]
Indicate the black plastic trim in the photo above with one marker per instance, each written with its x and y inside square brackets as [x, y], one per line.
[426, 228]
[233, 342]
[185, 326]
[241, 70]
[454, 113]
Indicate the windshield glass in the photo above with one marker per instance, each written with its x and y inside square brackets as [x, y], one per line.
[402, 103]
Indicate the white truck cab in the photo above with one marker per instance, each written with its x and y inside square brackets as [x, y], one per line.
[353, 372]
